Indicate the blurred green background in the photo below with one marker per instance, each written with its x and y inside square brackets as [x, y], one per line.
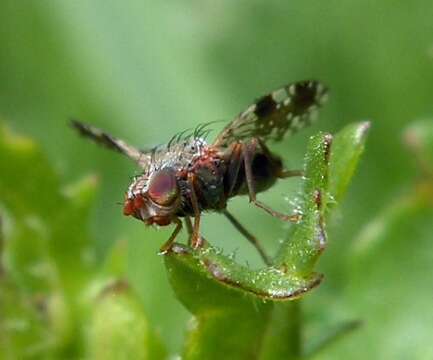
[146, 70]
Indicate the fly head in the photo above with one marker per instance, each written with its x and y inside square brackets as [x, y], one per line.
[154, 199]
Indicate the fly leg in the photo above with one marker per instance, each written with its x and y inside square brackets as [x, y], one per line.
[234, 167]
[248, 152]
[233, 173]
[250, 237]
[290, 173]
[195, 239]
[189, 229]
[169, 243]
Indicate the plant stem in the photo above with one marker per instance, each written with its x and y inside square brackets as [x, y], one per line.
[284, 337]
[294, 318]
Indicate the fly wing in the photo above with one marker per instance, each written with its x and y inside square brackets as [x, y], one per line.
[142, 158]
[283, 111]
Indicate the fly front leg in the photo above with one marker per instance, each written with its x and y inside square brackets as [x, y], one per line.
[248, 151]
[169, 243]
[196, 240]
[190, 230]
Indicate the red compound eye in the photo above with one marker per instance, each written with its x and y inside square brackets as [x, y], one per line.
[163, 187]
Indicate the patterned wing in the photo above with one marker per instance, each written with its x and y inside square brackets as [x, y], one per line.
[143, 159]
[285, 110]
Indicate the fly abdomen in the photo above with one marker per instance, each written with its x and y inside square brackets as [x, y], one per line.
[265, 169]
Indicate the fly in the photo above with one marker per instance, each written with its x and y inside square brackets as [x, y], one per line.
[188, 175]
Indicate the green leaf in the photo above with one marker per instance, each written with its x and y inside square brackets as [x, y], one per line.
[388, 268]
[45, 240]
[23, 331]
[283, 340]
[226, 319]
[347, 148]
[49, 234]
[28, 184]
[119, 328]
[307, 240]
[48, 270]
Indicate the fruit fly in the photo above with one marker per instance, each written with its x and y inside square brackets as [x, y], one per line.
[188, 175]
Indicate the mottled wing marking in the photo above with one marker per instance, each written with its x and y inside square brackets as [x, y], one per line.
[284, 111]
[142, 158]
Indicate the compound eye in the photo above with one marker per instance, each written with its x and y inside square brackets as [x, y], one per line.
[163, 187]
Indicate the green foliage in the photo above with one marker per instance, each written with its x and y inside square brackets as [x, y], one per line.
[52, 285]
[347, 148]
[49, 281]
[144, 70]
[119, 327]
[391, 254]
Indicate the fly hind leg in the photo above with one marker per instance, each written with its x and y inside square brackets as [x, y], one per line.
[250, 237]
[248, 151]
[169, 243]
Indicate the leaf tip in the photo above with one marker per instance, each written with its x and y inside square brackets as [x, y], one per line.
[362, 132]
